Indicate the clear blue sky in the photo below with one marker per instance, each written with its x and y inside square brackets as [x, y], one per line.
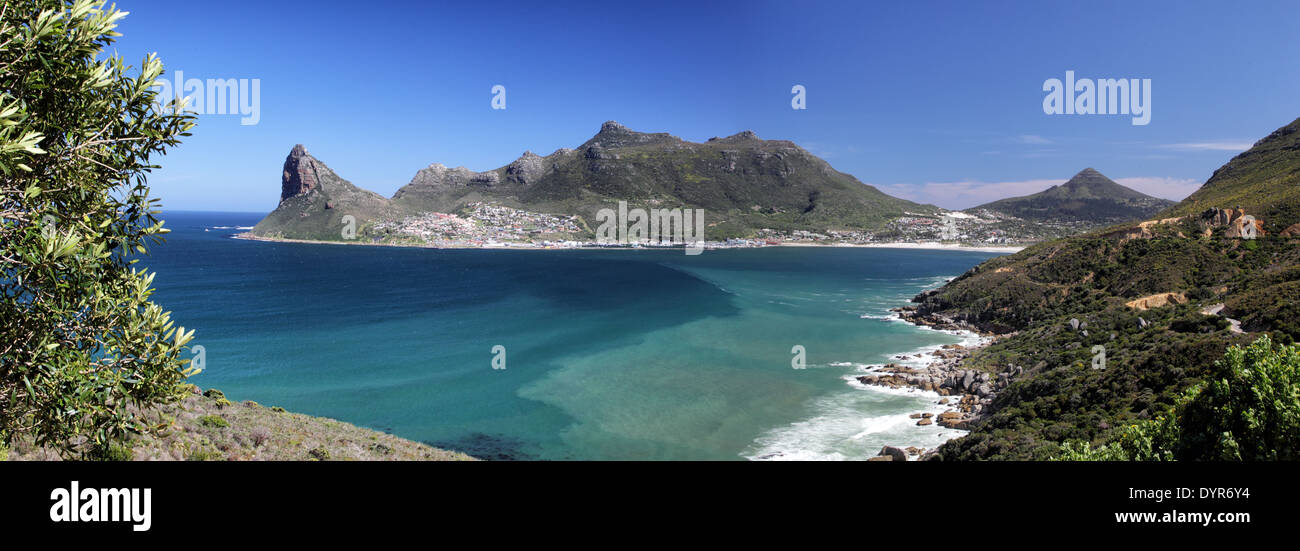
[934, 101]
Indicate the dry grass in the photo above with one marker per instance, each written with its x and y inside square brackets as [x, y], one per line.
[207, 427]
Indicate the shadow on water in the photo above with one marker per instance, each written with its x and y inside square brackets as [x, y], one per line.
[487, 447]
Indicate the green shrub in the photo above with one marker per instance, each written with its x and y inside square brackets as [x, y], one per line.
[80, 132]
[214, 421]
[201, 453]
[319, 453]
[1249, 410]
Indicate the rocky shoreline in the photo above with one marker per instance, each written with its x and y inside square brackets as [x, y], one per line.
[966, 393]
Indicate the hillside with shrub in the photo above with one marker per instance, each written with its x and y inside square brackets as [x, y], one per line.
[1163, 299]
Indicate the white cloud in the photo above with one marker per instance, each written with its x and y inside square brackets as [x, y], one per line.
[1207, 146]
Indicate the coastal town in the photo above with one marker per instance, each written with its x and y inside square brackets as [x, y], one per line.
[483, 224]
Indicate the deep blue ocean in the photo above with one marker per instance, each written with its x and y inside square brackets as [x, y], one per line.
[609, 354]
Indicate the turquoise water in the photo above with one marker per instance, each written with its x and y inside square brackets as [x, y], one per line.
[616, 354]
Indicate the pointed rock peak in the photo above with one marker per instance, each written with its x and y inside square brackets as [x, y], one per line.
[300, 175]
[613, 126]
[746, 135]
[528, 155]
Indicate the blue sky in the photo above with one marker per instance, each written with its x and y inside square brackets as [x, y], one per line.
[938, 102]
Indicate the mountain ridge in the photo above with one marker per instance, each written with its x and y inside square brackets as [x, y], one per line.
[745, 183]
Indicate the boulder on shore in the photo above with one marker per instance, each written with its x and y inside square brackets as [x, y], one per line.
[898, 454]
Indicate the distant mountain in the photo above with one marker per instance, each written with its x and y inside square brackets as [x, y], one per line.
[1088, 197]
[1161, 299]
[742, 182]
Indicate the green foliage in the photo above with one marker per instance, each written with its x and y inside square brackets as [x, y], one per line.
[1249, 410]
[214, 421]
[80, 339]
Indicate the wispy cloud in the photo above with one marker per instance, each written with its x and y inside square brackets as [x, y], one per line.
[968, 193]
[1207, 146]
[1032, 139]
[1174, 189]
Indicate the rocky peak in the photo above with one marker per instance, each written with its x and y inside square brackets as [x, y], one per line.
[613, 134]
[526, 169]
[300, 175]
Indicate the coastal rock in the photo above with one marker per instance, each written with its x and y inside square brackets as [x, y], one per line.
[924, 422]
[881, 458]
[897, 454]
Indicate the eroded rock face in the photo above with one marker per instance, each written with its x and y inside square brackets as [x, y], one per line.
[300, 174]
[1233, 219]
[1156, 301]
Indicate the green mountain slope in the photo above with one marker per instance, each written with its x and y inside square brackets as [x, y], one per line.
[742, 182]
[1088, 197]
[1264, 181]
[1139, 291]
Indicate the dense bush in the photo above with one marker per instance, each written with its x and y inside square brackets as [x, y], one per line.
[80, 340]
[1248, 410]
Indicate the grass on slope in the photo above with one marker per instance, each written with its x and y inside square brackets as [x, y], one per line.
[208, 427]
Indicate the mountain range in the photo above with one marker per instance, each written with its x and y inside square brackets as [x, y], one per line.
[744, 183]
